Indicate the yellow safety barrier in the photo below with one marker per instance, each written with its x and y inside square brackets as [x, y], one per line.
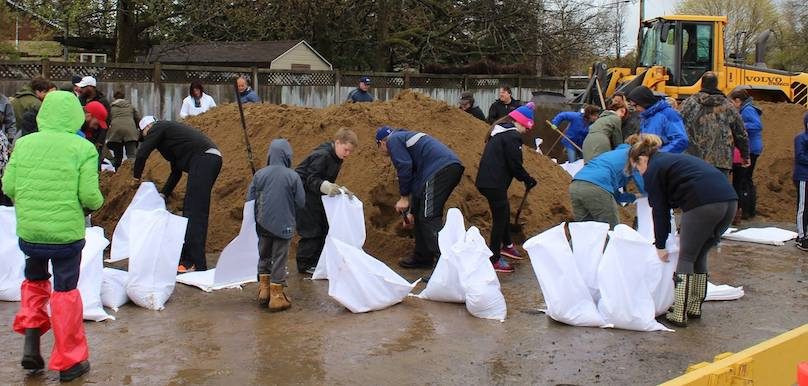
[773, 362]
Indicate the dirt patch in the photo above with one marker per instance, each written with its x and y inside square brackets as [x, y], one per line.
[367, 172]
[773, 173]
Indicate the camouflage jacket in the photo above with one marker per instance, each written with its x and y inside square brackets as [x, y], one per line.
[714, 128]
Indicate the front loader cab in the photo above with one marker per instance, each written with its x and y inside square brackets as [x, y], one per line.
[685, 47]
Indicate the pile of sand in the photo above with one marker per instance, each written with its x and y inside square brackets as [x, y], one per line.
[773, 173]
[367, 172]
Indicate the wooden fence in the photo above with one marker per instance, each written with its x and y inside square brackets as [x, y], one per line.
[159, 89]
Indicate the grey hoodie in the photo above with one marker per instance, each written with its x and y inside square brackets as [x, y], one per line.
[277, 191]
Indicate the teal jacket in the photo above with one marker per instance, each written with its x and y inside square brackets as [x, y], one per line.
[52, 175]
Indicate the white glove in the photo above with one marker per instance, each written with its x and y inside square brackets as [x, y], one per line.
[329, 188]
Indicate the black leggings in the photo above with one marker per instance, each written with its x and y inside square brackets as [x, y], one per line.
[500, 219]
[742, 181]
[701, 230]
[202, 175]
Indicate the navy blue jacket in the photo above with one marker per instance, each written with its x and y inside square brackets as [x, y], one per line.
[751, 121]
[248, 96]
[681, 181]
[801, 156]
[358, 95]
[417, 163]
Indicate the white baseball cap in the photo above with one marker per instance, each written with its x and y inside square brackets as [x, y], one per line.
[86, 81]
[145, 121]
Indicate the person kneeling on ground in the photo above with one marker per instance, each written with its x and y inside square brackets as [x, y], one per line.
[190, 151]
[53, 179]
[708, 204]
[278, 192]
[500, 164]
[605, 133]
[318, 172]
[595, 189]
[428, 171]
[800, 176]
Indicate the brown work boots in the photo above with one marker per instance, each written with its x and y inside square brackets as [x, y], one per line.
[272, 295]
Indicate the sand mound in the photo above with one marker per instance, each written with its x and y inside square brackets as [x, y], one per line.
[367, 172]
[773, 173]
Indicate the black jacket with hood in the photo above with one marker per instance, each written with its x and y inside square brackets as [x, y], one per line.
[321, 165]
[499, 109]
[502, 159]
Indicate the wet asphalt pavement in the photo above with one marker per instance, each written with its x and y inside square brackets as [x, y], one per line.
[224, 338]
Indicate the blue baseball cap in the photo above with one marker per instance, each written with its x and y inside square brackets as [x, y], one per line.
[365, 80]
[382, 133]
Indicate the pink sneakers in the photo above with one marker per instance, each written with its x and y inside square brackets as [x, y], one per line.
[510, 251]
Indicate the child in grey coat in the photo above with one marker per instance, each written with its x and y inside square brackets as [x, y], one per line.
[278, 193]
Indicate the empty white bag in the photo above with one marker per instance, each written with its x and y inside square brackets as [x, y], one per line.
[625, 297]
[361, 283]
[662, 291]
[12, 260]
[146, 198]
[588, 240]
[444, 284]
[113, 288]
[565, 292]
[723, 292]
[346, 223]
[91, 274]
[573, 168]
[238, 262]
[484, 298]
[155, 253]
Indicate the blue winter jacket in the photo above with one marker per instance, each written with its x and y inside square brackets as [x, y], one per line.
[577, 129]
[607, 171]
[249, 96]
[417, 163]
[661, 119]
[801, 156]
[751, 121]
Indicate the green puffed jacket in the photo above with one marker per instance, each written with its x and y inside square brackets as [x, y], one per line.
[52, 175]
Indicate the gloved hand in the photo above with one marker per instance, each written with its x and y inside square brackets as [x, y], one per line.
[626, 197]
[347, 192]
[530, 183]
[329, 188]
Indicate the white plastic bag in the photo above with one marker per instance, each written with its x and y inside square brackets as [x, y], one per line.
[113, 288]
[573, 168]
[444, 284]
[361, 283]
[565, 292]
[146, 198]
[91, 274]
[626, 300]
[588, 241]
[484, 298]
[346, 223]
[723, 292]
[238, 262]
[12, 260]
[155, 254]
[662, 291]
[768, 235]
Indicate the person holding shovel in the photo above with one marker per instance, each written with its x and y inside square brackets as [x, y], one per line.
[577, 129]
[428, 171]
[189, 151]
[500, 164]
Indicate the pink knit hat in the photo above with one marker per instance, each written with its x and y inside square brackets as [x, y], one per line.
[524, 115]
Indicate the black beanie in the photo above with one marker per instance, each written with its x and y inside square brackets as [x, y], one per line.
[642, 96]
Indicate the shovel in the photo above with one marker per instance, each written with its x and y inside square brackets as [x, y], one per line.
[516, 226]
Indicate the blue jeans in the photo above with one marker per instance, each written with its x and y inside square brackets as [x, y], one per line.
[573, 154]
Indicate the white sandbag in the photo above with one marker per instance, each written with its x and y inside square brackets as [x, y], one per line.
[723, 292]
[588, 241]
[361, 283]
[573, 168]
[12, 260]
[484, 298]
[645, 219]
[91, 274]
[113, 288]
[565, 292]
[155, 254]
[626, 300]
[346, 222]
[768, 235]
[238, 262]
[146, 198]
[444, 284]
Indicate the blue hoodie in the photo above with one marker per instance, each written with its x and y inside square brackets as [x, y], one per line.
[577, 129]
[277, 191]
[801, 152]
[751, 121]
[607, 171]
[416, 164]
[662, 120]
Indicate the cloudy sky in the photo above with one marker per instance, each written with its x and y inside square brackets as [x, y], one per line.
[653, 8]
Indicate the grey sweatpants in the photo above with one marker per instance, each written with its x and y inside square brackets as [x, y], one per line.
[701, 230]
[273, 254]
[591, 203]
